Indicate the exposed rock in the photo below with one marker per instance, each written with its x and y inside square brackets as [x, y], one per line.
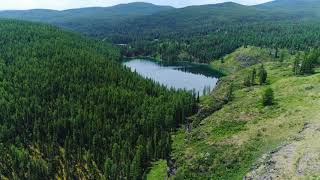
[299, 159]
[246, 60]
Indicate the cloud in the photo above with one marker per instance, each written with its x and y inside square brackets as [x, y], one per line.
[67, 4]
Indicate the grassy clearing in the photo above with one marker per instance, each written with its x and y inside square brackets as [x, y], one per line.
[158, 171]
[227, 143]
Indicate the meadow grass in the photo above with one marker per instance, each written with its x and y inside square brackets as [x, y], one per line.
[158, 171]
[227, 143]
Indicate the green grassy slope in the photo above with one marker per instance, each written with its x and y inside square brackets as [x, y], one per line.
[227, 143]
[158, 171]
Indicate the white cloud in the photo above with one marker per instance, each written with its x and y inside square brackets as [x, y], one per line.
[67, 4]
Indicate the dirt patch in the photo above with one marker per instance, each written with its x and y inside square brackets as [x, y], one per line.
[298, 159]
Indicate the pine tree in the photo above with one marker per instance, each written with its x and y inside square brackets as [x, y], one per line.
[107, 168]
[247, 81]
[276, 53]
[268, 97]
[253, 76]
[229, 95]
[296, 66]
[263, 75]
[114, 171]
[309, 61]
[222, 60]
[135, 168]
[282, 56]
[116, 153]
[149, 149]
[307, 66]
[198, 97]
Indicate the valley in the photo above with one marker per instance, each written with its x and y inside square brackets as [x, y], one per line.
[142, 91]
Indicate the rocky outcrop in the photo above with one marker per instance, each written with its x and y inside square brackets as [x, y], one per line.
[298, 159]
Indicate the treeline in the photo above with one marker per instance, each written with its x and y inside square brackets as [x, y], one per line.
[195, 33]
[69, 110]
[223, 40]
[305, 62]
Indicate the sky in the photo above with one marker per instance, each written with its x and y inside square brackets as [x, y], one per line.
[68, 4]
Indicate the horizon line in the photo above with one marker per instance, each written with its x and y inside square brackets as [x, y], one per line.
[84, 7]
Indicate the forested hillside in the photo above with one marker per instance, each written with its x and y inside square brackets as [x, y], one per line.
[203, 33]
[195, 33]
[302, 7]
[204, 48]
[93, 21]
[69, 110]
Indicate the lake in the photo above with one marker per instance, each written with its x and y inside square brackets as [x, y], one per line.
[180, 75]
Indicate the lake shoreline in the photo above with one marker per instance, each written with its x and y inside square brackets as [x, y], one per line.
[209, 66]
[180, 75]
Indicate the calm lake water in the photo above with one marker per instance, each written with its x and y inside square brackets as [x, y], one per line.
[179, 75]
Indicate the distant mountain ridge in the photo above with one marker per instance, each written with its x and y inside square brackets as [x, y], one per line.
[201, 19]
[135, 7]
[197, 33]
[311, 7]
[101, 21]
[86, 19]
[287, 3]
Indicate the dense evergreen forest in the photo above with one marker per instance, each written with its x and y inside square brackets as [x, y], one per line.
[92, 21]
[294, 36]
[204, 33]
[195, 33]
[69, 110]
